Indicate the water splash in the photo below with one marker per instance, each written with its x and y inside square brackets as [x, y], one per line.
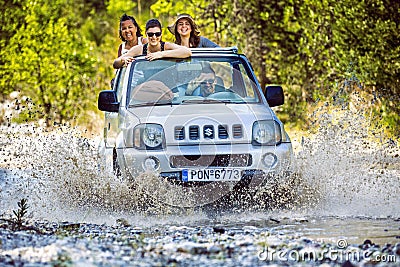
[352, 165]
[341, 169]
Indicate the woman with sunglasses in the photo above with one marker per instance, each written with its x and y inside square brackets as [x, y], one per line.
[187, 33]
[154, 49]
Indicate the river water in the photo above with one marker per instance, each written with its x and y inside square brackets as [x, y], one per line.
[346, 189]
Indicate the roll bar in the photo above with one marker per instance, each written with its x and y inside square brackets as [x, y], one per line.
[216, 50]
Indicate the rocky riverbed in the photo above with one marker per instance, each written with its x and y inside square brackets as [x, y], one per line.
[256, 242]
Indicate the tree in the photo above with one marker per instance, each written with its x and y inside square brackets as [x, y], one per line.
[367, 35]
[48, 61]
[59, 53]
[10, 21]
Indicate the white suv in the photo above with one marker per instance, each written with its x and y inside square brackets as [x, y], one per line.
[194, 121]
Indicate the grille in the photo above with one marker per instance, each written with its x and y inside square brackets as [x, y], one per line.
[223, 131]
[194, 132]
[237, 131]
[225, 160]
[207, 132]
[179, 132]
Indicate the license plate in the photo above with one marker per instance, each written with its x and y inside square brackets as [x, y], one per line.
[211, 175]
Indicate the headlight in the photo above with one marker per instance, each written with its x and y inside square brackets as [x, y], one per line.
[148, 136]
[266, 133]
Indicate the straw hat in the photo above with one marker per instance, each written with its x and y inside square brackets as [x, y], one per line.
[184, 16]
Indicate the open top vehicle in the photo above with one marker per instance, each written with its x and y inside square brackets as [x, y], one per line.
[160, 119]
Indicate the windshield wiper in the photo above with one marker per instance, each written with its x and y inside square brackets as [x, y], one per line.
[158, 103]
[206, 101]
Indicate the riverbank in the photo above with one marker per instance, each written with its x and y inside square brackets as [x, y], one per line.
[226, 242]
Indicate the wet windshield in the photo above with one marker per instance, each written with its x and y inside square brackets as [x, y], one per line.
[196, 80]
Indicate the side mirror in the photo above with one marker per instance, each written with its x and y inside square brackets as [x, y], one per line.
[108, 101]
[274, 95]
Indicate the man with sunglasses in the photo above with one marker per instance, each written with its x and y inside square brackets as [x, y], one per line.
[204, 85]
[154, 49]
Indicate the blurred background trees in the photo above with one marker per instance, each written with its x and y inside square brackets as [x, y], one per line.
[57, 54]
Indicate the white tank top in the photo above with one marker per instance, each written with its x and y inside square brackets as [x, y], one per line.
[123, 50]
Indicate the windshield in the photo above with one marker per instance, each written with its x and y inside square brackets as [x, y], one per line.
[196, 80]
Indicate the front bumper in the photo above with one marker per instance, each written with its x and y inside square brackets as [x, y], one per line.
[256, 160]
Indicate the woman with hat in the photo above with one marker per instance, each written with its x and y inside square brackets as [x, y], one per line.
[188, 34]
[154, 49]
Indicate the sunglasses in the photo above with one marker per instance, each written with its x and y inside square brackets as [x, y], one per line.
[209, 81]
[151, 34]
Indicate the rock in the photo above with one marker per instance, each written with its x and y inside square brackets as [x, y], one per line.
[123, 222]
[367, 244]
[249, 228]
[70, 226]
[347, 264]
[274, 220]
[387, 248]
[213, 249]
[301, 220]
[219, 230]
[397, 249]
[192, 248]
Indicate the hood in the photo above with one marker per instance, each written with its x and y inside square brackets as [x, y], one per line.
[230, 116]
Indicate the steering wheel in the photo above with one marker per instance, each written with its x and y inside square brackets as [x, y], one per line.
[228, 95]
[175, 89]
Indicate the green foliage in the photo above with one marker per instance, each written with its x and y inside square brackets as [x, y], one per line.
[49, 62]
[117, 7]
[63, 260]
[58, 54]
[308, 45]
[20, 213]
